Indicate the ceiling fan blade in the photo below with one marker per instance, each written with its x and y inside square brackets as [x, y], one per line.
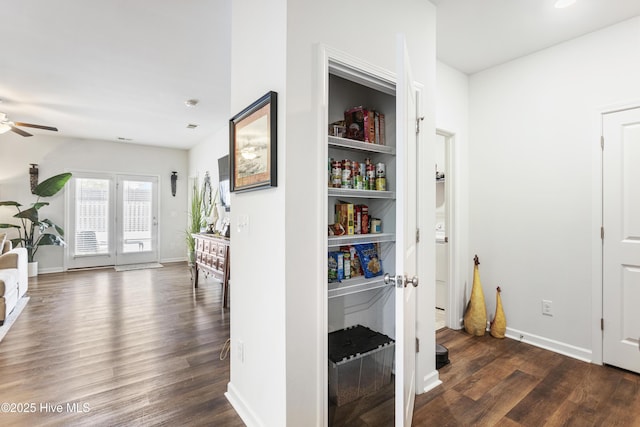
[19, 131]
[29, 125]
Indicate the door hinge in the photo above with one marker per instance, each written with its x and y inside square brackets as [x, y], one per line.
[417, 345]
[602, 142]
[602, 324]
[602, 233]
[418, 120]
[417, 235]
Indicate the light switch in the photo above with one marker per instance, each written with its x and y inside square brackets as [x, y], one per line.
[243, 224]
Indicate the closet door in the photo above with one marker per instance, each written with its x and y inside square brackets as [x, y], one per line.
[621, 243]
[406, 229]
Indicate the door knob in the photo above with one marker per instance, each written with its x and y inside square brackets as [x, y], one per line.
[397, 281]
[413, 281]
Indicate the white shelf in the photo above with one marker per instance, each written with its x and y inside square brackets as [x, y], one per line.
[354, 239]
[358, 284]
[352, 144]
[361, 194]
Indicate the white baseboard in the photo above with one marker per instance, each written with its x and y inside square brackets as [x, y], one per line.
[243, 410]
[178, 259]
[50, 270]
[556, 346]
[430, 381]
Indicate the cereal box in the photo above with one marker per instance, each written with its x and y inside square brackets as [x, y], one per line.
[344, 216]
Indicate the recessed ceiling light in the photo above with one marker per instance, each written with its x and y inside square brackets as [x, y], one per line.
[121, 138]
[191, 102]
[560, 4]
[191, 126]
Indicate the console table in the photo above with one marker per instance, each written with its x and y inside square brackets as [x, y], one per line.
[212, 258]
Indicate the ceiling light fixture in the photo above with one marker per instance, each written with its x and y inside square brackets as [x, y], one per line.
[191, 102]
[561, 4]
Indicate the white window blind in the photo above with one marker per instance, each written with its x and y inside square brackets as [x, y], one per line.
[137, 198]
[92, 216]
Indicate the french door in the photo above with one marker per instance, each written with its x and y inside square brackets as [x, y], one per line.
[113, 220]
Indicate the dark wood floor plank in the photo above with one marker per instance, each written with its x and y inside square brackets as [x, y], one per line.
[138, 347]
[444, 411]
[142, 348]
[504, 396]
[493, 382]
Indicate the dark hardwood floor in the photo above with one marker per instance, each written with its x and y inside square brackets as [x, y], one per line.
[141, 348]
[509, 383]
[492, 382]
[133, 348]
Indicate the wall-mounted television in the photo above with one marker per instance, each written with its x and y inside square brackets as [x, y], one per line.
[223, 175]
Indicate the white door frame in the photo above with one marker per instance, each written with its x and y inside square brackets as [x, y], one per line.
[372, 76]
[454, 299]
[597, 284]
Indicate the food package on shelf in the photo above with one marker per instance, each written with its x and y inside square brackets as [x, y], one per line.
[335, 267]
[369, 260]
[344, 216]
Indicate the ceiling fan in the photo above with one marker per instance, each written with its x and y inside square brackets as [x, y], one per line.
[7, 125]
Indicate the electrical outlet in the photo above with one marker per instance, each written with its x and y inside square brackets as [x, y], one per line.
[547, 307]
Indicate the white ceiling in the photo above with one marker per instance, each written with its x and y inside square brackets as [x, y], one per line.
[473, 35]
[121, 68]
[116, 68]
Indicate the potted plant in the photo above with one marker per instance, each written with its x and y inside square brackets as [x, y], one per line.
[196, 219]
[33, 231]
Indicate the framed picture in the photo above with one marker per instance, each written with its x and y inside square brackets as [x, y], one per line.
[253, 145]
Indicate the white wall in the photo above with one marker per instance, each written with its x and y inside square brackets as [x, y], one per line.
[257, 387]
[310, 23]
[534, 140]
[204, 157]
[317, 22]
[452, 100]
[56, 155]
[277, 263]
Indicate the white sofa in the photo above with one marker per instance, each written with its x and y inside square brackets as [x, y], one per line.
[14, 280]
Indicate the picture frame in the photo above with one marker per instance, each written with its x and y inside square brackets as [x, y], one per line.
[253, 145]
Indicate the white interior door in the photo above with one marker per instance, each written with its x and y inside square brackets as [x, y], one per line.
[621, 245]
[137, 219]
[406, 265]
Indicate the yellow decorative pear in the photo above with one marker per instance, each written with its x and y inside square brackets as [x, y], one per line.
[475, 316]
[499, 323]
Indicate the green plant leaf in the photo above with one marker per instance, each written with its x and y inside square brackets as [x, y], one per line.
[45, 223]
[39, 205]
[9, 226]
[51, 186]
[17, 242]
[48, 239]
[8, 203]
[31, 214]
